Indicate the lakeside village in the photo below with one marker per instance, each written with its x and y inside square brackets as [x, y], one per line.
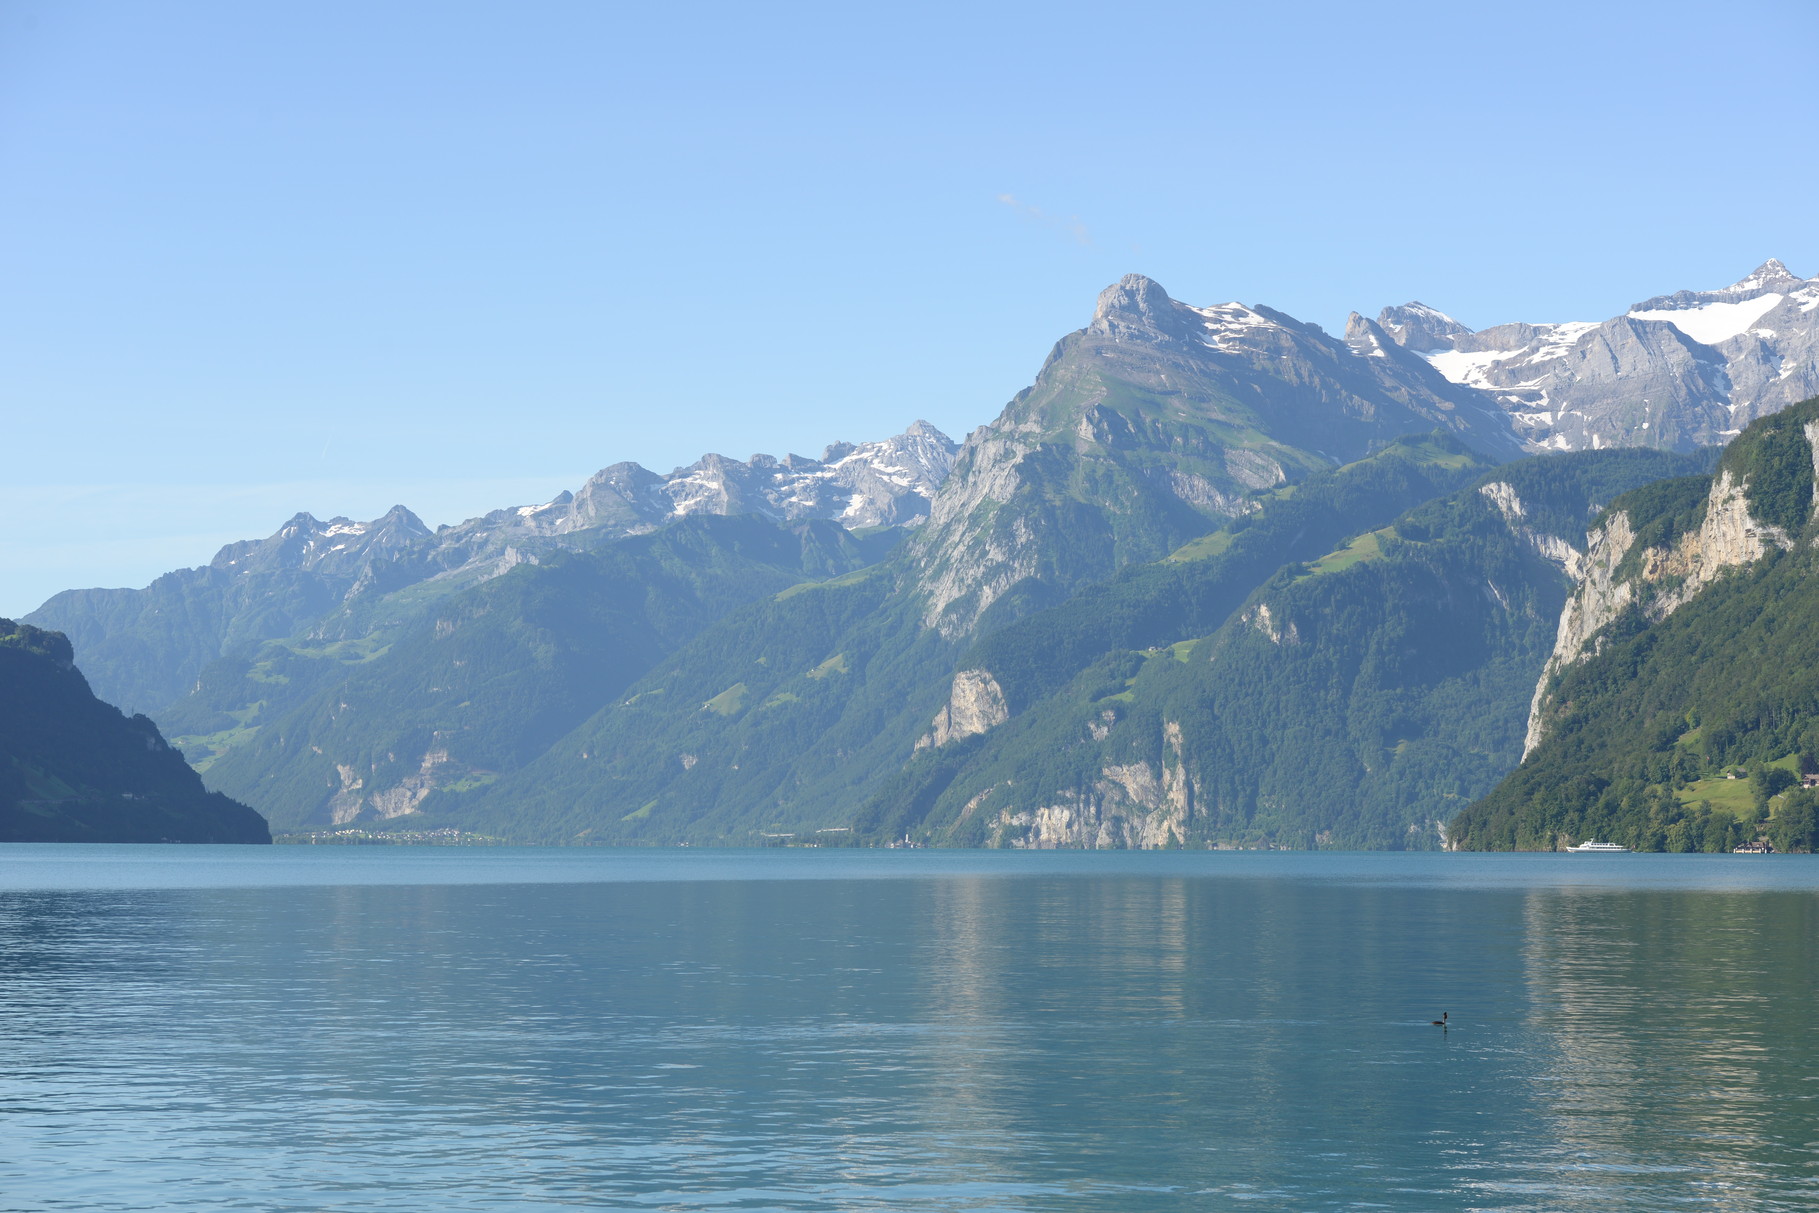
[389, 838]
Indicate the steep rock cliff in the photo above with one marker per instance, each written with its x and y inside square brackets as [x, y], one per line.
[1658, 549]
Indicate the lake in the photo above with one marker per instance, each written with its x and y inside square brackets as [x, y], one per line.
[330, 1028]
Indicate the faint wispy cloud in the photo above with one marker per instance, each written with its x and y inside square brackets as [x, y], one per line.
[1071, 226]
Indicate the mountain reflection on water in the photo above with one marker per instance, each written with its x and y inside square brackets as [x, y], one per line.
[899, 1032]
[1675, 1031]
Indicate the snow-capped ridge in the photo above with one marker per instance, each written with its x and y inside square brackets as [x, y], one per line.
[1680, 370]
[884, 483]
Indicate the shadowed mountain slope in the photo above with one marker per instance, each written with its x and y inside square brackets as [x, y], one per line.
[73, 769]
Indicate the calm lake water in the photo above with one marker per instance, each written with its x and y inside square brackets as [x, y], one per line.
[295, 1028]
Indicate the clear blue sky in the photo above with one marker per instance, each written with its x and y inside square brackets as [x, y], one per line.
[257, 258]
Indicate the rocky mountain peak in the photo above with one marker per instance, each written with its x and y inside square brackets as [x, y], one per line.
[1133, 295]
[921, 429]
[1365, 337]
[305, 542]
[1416, 326]
[883, 483]
[1137, 309]
[399, 523]
[1770, 275]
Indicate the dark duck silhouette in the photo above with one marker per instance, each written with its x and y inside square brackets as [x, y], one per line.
[1441, 1022]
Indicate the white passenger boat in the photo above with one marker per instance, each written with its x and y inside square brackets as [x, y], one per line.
[1598, 848]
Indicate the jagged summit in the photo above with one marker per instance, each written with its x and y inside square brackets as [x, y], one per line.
[307, 542]
[1176, 416]
[1137, 308]
[884, 483]
[1418, 327]
[1770, 275]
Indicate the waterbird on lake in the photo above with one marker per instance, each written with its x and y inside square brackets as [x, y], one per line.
[1441, 1022]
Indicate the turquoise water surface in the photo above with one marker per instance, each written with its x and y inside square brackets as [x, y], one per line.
[297, 1028]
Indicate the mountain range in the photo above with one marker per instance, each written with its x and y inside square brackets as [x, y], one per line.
[342, 580]
[1215, 578]
[1676, 371]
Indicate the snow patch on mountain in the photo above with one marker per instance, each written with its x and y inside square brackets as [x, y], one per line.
[1228, 324]
[1710, 323]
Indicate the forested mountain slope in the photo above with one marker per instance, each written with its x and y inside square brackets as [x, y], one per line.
[1355, 700]
[74, 769]
[1689, 651]
[477, 683]
[788, 714]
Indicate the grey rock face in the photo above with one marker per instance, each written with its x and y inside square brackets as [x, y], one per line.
[1176, 415]
[1417, 326]
[975, 705]
[1677, 371]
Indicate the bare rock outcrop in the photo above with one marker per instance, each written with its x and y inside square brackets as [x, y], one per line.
[975, 705]
[1661, 581]
[353, 799]
[1134, 805]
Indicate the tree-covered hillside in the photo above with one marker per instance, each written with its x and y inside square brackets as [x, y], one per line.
[786, 716]
[1640, 734]
[74, 769]
[473, 685]
[1355, 700]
